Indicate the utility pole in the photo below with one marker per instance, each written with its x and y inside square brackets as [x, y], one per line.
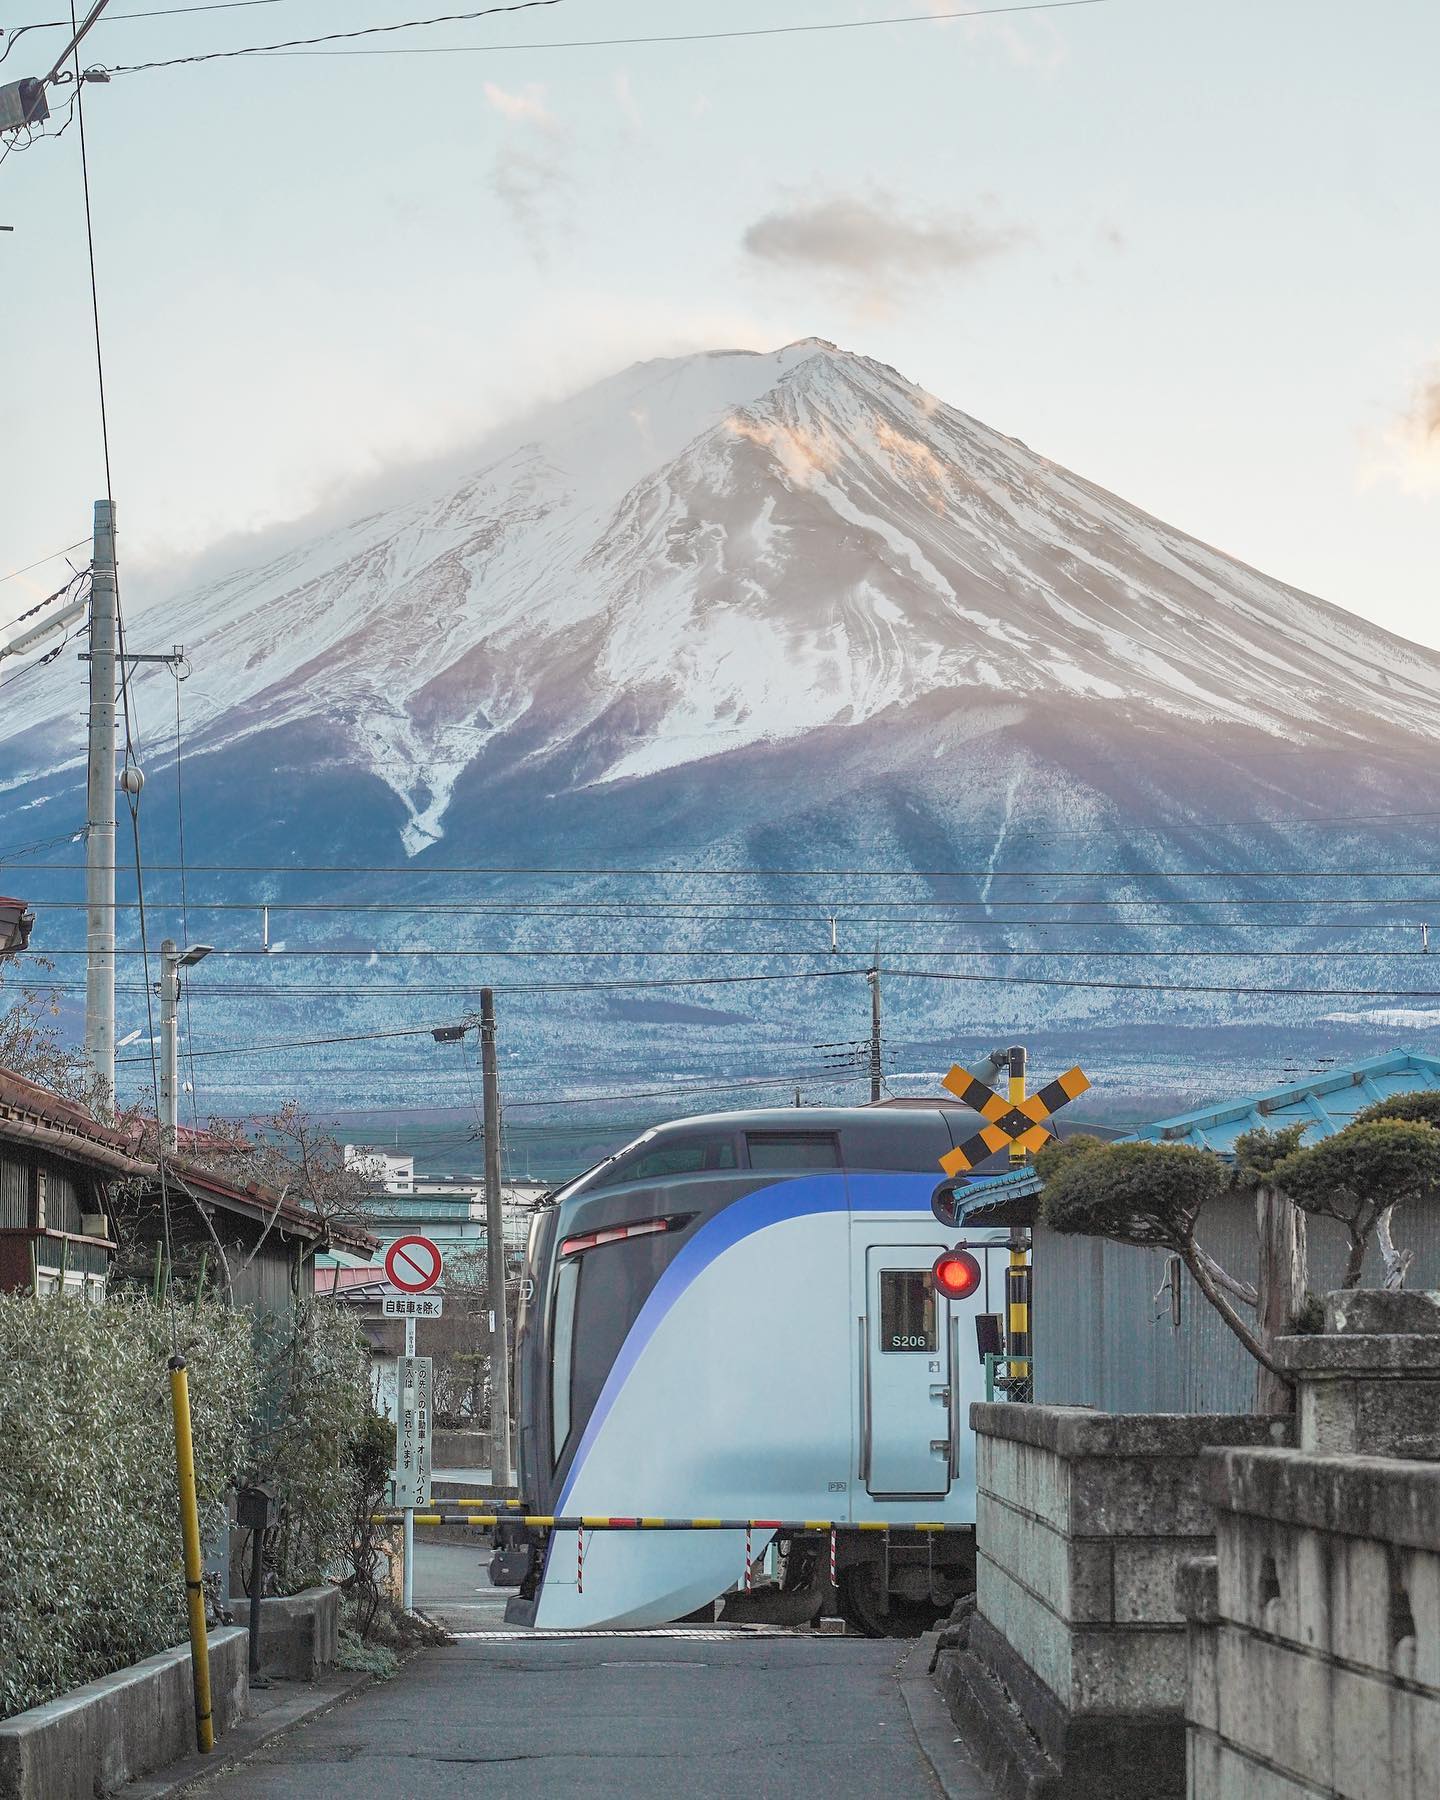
[172, 961]
[100, 815]
[875, 1067]
[502, 1467]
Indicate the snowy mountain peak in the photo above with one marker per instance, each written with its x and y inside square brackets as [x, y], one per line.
[730, 550]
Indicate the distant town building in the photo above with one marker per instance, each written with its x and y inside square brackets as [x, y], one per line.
[384, 1169]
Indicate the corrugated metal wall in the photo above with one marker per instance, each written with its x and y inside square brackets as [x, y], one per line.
[1102, 1338]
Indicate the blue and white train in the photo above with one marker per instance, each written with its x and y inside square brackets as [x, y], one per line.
[733, 1317]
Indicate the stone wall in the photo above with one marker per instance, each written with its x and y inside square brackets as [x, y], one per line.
[1072, 1676]
[1314, 1637]
[1315, 1633]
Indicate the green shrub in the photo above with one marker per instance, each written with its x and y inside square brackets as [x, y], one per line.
[315, 1409]
[90, 1567]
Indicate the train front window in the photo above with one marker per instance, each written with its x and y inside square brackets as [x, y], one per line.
[562, 1354]
[690, 1156]
[793, 1150]
[907, 1311]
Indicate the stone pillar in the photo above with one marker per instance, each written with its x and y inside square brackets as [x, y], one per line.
[1369, 1385]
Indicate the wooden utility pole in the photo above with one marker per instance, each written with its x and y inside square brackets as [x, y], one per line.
[875, 1063]
[502, 1467]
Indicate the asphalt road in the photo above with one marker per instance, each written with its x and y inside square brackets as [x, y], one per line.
[646, 1716]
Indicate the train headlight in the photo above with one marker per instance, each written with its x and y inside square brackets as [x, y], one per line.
[956, 1274]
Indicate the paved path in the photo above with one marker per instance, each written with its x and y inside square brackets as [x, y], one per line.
[453, 1588]
[683, 1714]
[643, 1717]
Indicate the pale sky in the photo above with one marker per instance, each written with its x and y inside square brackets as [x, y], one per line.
[1186, 247]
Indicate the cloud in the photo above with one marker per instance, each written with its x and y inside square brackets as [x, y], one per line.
[527, 106]
[868, 250]
[625, 100]
[531, 177]
[1407, 452]
[537, 192]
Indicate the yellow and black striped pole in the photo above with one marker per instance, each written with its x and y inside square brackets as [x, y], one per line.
[1016, 1094]
[194, 1563]
[1017, 1308]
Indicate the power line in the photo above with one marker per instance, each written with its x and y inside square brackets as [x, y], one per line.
[40, 562]
[679, 37]
[331, 37]
[77, 575]
[416, 871]
[1165, 987]
[762, 952]
[72, 49]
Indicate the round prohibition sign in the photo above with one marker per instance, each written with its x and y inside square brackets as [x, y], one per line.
[412, 1264]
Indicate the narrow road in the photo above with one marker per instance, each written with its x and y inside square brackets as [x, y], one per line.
[695, 1713]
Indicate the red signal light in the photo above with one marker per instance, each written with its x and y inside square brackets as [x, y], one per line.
[956, 1274]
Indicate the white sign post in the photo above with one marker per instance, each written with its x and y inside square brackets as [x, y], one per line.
[412, 1264]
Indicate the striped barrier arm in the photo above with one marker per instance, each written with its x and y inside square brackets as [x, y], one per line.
[593, 1522]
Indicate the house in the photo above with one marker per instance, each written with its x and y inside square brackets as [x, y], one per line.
[259, 1245]
[58, 1165]
[1124, 1329]
[16, 921]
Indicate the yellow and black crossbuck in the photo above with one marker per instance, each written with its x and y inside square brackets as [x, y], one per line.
[1021, 1123]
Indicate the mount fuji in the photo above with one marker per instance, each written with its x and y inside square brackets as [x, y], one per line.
[770, 614]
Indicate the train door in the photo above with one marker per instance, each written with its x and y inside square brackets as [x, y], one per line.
[907, 1375]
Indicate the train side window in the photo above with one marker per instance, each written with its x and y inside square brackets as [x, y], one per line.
[793, 1150]
[562, 1350]
[693, 1156]
[907, 1311]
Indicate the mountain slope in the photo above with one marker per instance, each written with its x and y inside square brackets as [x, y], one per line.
[736, 549]
[780, 612]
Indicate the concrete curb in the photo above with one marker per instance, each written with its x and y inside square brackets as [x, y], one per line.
[935, 1730]
[196, 1772]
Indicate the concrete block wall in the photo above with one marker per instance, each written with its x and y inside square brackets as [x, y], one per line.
[1082, 1521]
[299, 1633]
[97, 1738]
[1314, 1643]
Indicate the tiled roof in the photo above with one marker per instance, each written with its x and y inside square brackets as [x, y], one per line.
[1326, 1103]
[31, 1114]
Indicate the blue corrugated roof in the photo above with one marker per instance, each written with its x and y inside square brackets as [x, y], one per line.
[1326, 1103]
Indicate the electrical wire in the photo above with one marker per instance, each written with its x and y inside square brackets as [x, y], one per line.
[40, 562]
[331, 37]
[76, 576]
[679, 37]
[416, 871]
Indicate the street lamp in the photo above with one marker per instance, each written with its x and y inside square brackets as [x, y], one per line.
[172, 960]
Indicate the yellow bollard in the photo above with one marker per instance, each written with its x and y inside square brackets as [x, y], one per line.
[194, 1567]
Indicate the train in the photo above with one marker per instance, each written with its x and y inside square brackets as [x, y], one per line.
[734, 1317]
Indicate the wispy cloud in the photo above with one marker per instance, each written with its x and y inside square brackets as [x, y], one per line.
[530, 176]
[536, 190]
[1407, 452]
[527, 105]
[625, 100]
[868, 250]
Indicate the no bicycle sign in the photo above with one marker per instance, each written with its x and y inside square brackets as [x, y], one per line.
[412, 1264]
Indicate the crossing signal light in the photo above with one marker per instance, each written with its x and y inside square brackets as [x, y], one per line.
[956, 1274]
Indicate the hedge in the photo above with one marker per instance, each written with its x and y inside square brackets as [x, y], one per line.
[90, 1570]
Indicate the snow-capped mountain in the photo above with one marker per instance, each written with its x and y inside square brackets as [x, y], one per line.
[783, 610]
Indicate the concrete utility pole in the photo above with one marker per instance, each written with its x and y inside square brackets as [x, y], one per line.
[172, 961]
[875, 1070]
[502, 1467]
[100, 813]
